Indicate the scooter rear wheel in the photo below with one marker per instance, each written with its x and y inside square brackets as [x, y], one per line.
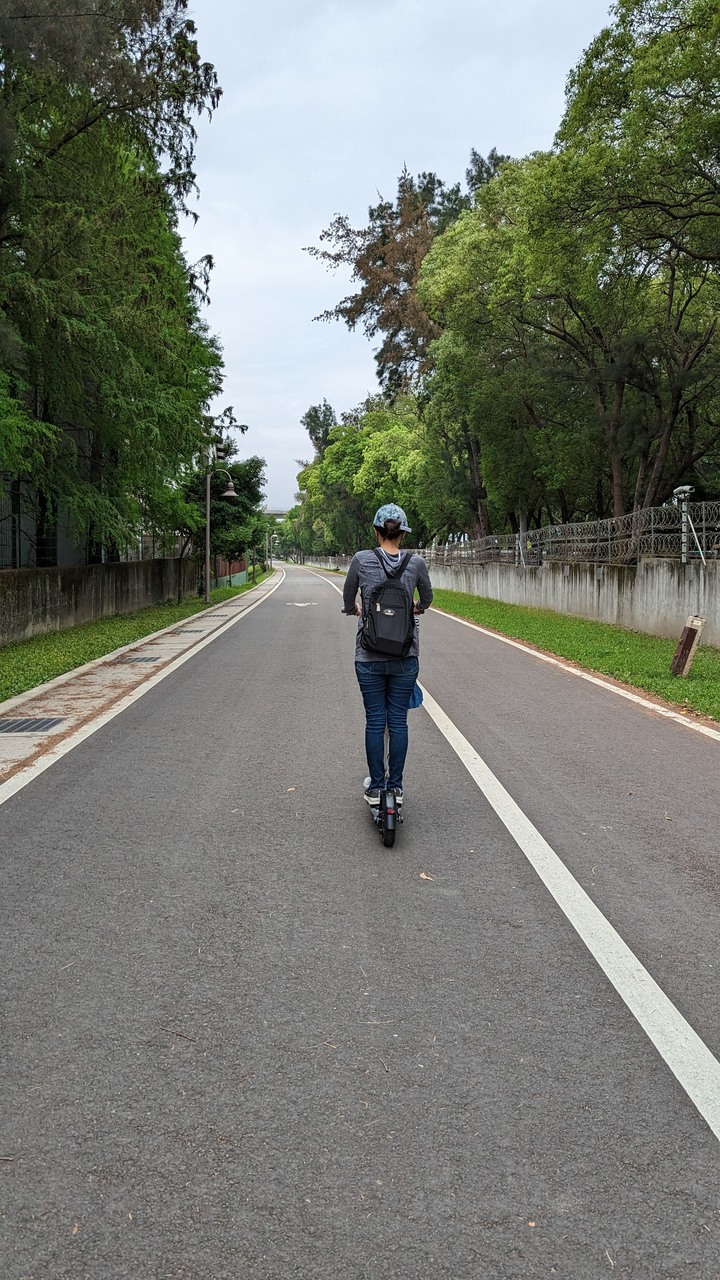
[388, 816]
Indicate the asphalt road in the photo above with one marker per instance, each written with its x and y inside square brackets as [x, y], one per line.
[242, 1039]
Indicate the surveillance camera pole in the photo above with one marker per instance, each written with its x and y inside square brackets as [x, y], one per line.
[682, 493]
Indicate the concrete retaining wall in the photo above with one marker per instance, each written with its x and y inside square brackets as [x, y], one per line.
[656, 596]
[37, 601]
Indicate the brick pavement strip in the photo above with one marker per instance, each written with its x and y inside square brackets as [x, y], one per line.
[81, 695]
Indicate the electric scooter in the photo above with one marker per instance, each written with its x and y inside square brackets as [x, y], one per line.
[387, 816]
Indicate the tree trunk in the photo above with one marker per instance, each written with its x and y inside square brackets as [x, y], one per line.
[612, 433]
[640, 479]
[481, 519]
[94, 551]
[661, 456]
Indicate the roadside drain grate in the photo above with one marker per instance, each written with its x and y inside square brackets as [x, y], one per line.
[40, 725]
[117, 661]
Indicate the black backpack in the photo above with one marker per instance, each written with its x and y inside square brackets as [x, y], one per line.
[389, 623]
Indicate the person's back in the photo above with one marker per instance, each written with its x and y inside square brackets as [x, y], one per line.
[386, 681]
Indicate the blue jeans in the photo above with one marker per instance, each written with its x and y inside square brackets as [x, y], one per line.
[386, 689]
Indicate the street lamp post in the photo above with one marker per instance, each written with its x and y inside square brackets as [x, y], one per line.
[230, 492]
[268, 547]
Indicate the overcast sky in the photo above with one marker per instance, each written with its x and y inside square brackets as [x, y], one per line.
[324, 102]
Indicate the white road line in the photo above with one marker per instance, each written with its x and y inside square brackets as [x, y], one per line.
[68, 676]
[586, 675]
[696, 1069]
[24, 776]
[687, 1056]
[330, 583]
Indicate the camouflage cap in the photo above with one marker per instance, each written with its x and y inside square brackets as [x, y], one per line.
[391, 511]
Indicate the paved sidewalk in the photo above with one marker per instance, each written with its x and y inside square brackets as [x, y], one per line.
[37, 722]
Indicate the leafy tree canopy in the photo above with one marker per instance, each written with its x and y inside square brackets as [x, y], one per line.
[384, 259]
[107, 367]
[557, 324]
[319, 421]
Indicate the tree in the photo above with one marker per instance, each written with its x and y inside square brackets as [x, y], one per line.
[559, 309]
[105, 359]
[234, 523]
[480, 171]
[374, 456]
[643, 107]
[319, 421]
[385, 258]
[114, 352]
[132, 62]
[559, 325]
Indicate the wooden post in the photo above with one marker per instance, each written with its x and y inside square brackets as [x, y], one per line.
[687, 647]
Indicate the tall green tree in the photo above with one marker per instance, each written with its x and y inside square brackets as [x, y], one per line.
[644, 110]
[373, 456]
[106, 363]
[559, 326]
[549, 307]
[133, 62]
[319, 421]
[236, 524]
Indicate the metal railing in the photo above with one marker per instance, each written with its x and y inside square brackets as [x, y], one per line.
[685, 531]
[688, 531]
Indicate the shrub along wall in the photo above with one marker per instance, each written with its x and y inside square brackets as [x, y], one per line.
[36, 601]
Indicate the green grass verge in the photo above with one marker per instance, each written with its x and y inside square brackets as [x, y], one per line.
[32, 662]
[637, 659]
